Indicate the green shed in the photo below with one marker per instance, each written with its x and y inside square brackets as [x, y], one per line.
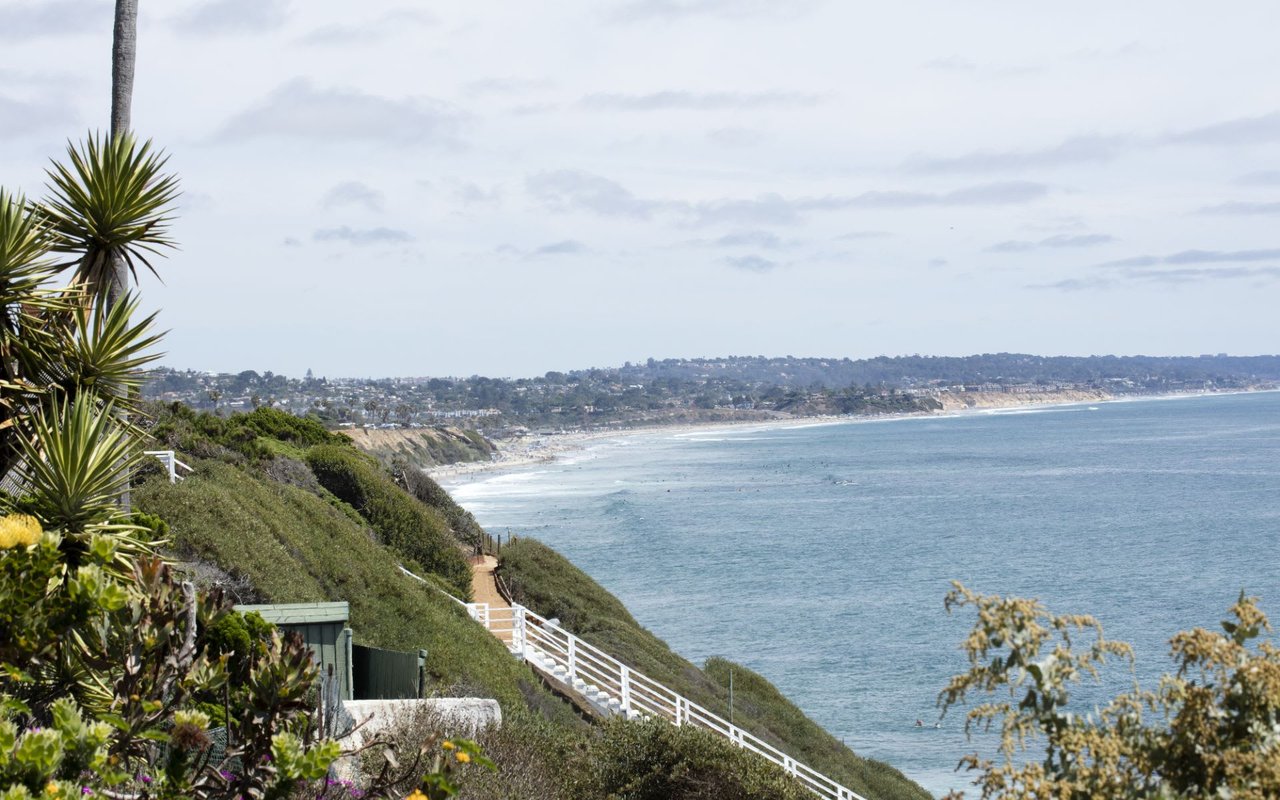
[323, 626]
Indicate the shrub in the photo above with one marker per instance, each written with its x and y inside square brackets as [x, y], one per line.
[416, 531]
[426, 490]
[1211, 733]
[260, 434]
[655, 760]
[106, 675]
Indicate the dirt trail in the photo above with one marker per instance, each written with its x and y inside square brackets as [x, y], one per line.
[484, 589]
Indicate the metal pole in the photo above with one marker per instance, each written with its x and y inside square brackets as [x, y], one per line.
[626, 691]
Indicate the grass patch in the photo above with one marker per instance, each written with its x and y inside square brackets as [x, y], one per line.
[293, 546]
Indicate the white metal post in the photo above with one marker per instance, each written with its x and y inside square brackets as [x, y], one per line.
[573, 658]
[626, 690]
[517, 629]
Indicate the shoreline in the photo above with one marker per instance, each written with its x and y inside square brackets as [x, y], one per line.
[526, 451]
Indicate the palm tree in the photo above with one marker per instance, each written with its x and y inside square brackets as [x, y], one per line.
[123, 57]
[124, 43]
[110, 206]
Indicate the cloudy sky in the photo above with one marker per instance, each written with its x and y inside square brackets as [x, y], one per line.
[399, 188]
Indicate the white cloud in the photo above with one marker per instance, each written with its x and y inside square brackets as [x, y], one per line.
[227, 17]
[300, 110]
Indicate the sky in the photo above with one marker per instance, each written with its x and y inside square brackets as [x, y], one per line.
[391, 188]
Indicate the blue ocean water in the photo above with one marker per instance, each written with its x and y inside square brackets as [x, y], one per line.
[819, 556]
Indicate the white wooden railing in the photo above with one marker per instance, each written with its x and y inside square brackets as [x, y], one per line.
[170, 461]
[612, 687]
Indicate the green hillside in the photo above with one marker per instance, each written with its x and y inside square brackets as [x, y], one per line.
[278, 510]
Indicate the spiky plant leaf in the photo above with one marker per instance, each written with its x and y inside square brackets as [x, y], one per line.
[94, 349]
[75, 463]
[112, 201]
[24, 250]
[108, 351]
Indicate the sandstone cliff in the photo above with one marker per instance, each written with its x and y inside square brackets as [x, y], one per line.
[962, 400]
[423, 447]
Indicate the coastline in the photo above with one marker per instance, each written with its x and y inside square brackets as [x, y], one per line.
[535, 449]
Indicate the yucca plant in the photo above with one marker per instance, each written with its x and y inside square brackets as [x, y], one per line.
[27, 306]
[64, 352]
[100, 350]
[24, 250]
[110, 208]
[71, 465]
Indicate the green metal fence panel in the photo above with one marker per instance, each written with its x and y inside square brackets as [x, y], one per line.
[386, 674]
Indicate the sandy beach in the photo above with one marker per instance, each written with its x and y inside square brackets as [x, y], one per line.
[542, 448]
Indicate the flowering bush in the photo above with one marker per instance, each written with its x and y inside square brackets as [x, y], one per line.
[1210, 730]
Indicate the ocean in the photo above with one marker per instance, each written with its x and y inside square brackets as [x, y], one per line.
[819, 556]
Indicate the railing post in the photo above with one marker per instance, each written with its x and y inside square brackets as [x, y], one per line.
[573, 657]
[626, 690]
[480, 613]
[517, 629]
[679, 716]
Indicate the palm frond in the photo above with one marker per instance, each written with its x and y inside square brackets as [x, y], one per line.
[112, 202]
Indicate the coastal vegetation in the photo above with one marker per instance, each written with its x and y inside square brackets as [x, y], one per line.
[417, 531]
[1211, 729]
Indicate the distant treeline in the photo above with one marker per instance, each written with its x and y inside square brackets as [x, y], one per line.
[1005, 368]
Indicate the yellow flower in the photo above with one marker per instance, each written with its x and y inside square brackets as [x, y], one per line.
[463, 757]
[52, 789]
[447, 745]
[417, 795]
[19, 530]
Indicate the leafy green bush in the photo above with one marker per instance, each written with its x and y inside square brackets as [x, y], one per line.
[655, 760]
[285, 427]
[426, 490]
[1210, 730]
[416, 531]
[260, 434]
[118, 664]
[238, 636]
